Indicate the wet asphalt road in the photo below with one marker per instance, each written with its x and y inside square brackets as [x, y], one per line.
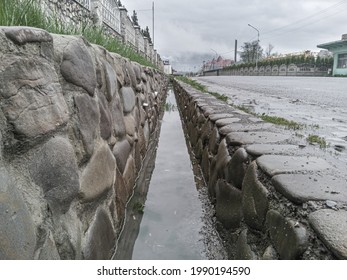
[314, 101]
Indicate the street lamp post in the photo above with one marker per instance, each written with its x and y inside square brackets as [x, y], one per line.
[256, 58]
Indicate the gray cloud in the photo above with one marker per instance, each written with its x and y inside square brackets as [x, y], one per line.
[188, 32]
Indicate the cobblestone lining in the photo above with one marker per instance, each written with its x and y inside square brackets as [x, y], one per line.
[274, 196]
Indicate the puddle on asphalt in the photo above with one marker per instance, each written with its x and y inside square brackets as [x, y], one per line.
[167, 216]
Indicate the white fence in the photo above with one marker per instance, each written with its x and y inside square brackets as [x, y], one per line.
[110, 14]
[84, 3]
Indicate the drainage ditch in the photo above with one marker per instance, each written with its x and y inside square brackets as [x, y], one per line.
[169, 215]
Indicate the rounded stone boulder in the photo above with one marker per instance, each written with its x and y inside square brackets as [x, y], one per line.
[77, 66]
[128, 99]
[34, 99]
[17, 238]
[99, 174]
[54, 169]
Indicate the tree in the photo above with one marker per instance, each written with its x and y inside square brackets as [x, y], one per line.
[251, 52]
[134, 18]
[269, 50]
[145, 32]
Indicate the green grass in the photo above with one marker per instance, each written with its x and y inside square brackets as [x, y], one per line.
[23, 13]
[139, 207]
[202, 88]
[30, 13]
[193, 83]
[315, 139]
[280, 121]
[169, 107]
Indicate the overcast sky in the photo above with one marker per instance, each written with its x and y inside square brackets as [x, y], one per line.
[187, 32]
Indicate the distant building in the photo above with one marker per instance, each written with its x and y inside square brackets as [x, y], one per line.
[216, 64]
[339, 50]
[167, 67]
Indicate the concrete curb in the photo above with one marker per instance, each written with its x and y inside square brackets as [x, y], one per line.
[284, 185]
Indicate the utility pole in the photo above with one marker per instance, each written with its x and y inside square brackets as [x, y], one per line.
[235, 55]
[256, 58]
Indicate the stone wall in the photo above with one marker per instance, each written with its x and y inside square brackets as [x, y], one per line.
[71, 12]
[75, 124]
[275, 197]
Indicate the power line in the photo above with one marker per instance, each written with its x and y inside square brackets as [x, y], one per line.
[303, 26]
[334, 6]
[328, 9]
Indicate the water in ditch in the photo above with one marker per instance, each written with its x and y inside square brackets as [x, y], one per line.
[169, 217]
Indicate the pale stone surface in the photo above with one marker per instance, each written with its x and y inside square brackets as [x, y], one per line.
[48, 251]
[260, 137]
[262, 149]
[130, 72]
[117, 118]
[100, 237]
[17, 238]
[331, 227]
[218, 167]
[129, 174]
[23, 34]
[300, 188]
[213, 141]
[216, 117]
[270, 254]
[130, 125]
[121, 152]
[88, 121]
[205, 164]
[237, 167]
[55, 170]
[128, 99]
[99, 175]
[105, 119]
[78, 68]
[255, 202]
[245, 127]
[228, 205]
[226, 121]
[111, 81]
[277, 164]
[289, 237]
[243, 250]
[34, 100]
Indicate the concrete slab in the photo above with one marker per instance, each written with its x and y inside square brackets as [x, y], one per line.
[255, 137]
[300, 188]
[215, 117]
[225, 130]
[226, 121]
[208, 110]
[331, 228]
[276, 164]
[270, 149]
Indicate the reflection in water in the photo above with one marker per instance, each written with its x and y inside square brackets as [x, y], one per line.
[136, 205]
[170, 214]
[169, 107]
